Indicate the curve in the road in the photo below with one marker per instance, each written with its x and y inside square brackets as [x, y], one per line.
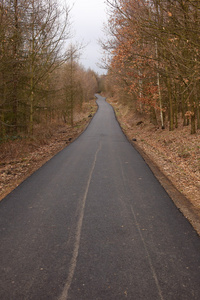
[94, 223]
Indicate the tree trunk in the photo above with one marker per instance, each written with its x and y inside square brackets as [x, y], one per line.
[153, 118]
[15, 67]
[171, 113]
[176, 109]
[159, 91]
[198, 116]
[197, 106]
[193, 125]
[32, 56]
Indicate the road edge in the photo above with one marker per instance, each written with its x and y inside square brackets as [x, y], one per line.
[46, 160]
[181, 202]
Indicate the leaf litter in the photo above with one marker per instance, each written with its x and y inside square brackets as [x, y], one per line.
[22, 157]
[176, 153]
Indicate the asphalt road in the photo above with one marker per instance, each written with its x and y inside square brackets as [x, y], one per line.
[94, 223]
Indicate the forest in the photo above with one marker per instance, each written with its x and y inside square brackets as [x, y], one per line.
[41, 80]
[153, 59]
[152, 50]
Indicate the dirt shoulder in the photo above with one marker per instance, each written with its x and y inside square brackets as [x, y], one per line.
[174, 158]
[22, 157]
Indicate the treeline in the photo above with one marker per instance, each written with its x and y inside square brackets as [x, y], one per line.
[154, 58]
[40, 80]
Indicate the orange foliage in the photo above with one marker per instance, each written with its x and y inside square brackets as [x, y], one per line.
[131, 55]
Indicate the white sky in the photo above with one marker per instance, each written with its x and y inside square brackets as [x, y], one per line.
[87, 18]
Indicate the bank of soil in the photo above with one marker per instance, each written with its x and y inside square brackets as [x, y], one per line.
[173, 156]
[23, 156]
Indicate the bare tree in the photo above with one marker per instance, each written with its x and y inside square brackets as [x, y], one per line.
[32, 36]
[154, 48]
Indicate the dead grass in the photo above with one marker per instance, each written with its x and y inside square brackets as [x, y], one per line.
[176, 153]
[21, 157]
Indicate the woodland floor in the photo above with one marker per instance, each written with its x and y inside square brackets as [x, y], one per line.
[175, 153]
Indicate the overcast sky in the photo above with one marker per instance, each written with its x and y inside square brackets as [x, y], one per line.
[88, 17]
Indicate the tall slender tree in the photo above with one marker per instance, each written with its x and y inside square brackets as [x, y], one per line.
[154, 48]
[32, 34]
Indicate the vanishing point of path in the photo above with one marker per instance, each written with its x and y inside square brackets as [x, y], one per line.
[94, 223]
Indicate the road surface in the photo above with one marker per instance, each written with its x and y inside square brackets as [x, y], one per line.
[94, 223]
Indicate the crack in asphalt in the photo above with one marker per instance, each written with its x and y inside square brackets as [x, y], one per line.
[73, 261]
